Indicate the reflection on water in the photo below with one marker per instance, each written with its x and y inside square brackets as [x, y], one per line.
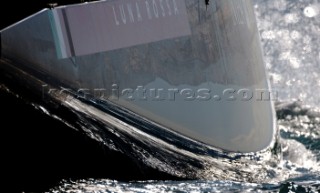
[290, 33]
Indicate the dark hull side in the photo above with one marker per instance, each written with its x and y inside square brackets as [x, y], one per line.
[176, 63]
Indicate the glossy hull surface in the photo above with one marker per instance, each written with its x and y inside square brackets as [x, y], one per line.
[196, 70]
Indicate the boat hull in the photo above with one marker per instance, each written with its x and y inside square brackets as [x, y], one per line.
[196, 70]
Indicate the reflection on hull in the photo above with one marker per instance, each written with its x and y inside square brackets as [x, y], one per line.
[180, 64]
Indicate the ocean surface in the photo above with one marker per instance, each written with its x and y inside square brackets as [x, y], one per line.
[66, 147]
